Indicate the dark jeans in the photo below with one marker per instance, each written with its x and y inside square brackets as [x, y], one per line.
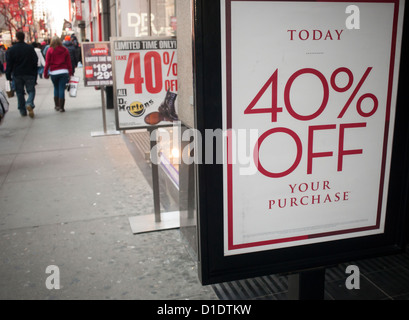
[29, 83]
[59, 82]
[40, 71]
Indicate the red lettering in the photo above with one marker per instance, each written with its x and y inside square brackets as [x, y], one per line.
[346, 195]
[307, 34]
[302, 201]
[341, 151]
[325, 97]
[257, 149]
[310, 199]
[337, 198]
[304, 34]
[328, 35]
[292, 32]
[339, 34]
[280, 205]
[303, 187]
[314, 33]
[316, 199]
[311, 153]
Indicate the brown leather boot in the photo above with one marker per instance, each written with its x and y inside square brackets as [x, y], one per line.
[57, 104]
[62, 103]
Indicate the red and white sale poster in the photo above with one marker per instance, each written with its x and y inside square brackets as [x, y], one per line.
[145, 81]
[309, 95]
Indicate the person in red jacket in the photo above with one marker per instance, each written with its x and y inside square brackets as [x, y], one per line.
[58, 66]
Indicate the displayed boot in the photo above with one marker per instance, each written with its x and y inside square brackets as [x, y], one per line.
[62, 103]
[166, 111]
[154, 118]
[57, 104]
[167, 107]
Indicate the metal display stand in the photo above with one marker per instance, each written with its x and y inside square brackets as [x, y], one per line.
[156, 221]
[97, 65]
[104, 119]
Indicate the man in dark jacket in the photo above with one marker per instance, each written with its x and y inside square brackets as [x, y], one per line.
[71, 49]
[22, 67]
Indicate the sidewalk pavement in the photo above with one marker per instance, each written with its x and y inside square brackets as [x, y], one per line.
[65, 200]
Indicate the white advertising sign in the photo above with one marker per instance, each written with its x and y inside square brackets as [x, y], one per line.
[145, 81]
[309, 92]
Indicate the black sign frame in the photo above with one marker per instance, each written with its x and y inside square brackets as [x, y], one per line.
[214, 266]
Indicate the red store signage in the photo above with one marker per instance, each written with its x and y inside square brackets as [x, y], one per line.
[78, 10]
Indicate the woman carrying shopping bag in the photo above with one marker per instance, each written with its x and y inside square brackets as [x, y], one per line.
[58, 66]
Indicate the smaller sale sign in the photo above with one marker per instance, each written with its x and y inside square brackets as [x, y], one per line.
[145, 81]
[97, 64]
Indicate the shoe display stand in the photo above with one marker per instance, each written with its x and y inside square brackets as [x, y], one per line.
[105, 132]
[157, 221]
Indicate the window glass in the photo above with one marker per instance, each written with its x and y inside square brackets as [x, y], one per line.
[134, 16]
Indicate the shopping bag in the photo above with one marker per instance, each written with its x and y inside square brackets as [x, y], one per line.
[4, 106]
[73, 86]
[10, 92]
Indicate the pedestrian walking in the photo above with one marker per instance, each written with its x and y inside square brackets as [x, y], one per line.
[71, 49]
[58, 66]
[22, 68]
[2, 58]
[77, 47]
[44, 47]
[41, 60]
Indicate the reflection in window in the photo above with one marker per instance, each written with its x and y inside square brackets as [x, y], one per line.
[136, 18]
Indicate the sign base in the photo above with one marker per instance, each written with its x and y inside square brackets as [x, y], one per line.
[307, 285]
[102, 133]
[147, 223]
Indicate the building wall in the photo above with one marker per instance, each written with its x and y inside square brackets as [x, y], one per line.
[185, 62]
[113, 18]
[118, 22]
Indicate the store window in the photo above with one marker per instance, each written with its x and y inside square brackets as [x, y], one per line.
[142, 18]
